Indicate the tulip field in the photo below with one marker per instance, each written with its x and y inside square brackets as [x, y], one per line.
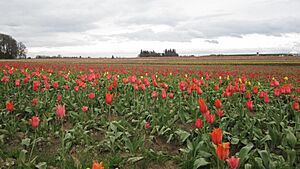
[65, 115]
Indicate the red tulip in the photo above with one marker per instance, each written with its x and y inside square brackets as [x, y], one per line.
[91, 95]
[147, 125]
[198, 123]
[76, 88]
[36, 85]
[266, 99]
[60, 111]
[223, 151]
[163, 94]
[59, 98]
[249, 105]
[136, 87]
[255, 89]
[203, 107]
[210, 118]
[220, 112]
[55, 85]
[34, 101]
[216, 87]
[277, 92]
[233, 162]
[108, 98]
[248, 95]
[216, 136]
[296, 105]
[10, 106]
[171, 95]
[85, 108]
[199, 91]
[261, 94]
[35, 121]
[154, 94]
[142, 86]
[17, 82]
[109, 87]
[66, 87]
[218, 103]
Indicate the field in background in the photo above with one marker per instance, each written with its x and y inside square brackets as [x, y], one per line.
[201, 60]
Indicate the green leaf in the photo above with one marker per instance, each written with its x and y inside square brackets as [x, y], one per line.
[200, 162]
[259, 163]
[26, 142]
[291, 138]
[265, 157]
[234, 140]
[248, 166]
[291, 156]
[134, 159]
[266, 138]
[22, 157]
[41, 165]
[182, 134]
[243, 154]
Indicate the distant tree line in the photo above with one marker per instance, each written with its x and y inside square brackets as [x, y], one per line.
[10, 48]
[167, 53]
[57, 57]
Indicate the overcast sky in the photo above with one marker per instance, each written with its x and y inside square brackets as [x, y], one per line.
[101, 28]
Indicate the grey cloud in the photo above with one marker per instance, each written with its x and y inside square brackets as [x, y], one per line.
[150, 35]
[212, 41]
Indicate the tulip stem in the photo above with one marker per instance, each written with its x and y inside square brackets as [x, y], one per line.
[34, 141]
[63, 143]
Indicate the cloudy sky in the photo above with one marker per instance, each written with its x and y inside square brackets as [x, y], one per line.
[101, 28]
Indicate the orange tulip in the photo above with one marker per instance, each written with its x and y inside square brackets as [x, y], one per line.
[223, 151]
[216, 136]
[10, 106]
[97, 165]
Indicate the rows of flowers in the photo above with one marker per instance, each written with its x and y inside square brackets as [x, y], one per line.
[73, 115]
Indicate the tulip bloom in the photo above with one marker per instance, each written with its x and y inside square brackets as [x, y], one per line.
[233, 162]
[210, 118]
[220, 112]
[97, 165]
[55, 85]
[266, 99]
[34, 121]
[108, 98]
[216, 136]
[91, 95]
[17, 82]
[60, 111]
[248, 95]
[36, 85]
[147, 125]
[163, 94]
[154, 94]
[85, 108]
[203, 107]
[255, 89]
[198, 123]
[171, 95]
[249, 105]
[296, 105]
[10, 106]
[218, 103]
[223, 151]
[34, 101]
[59, 98]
